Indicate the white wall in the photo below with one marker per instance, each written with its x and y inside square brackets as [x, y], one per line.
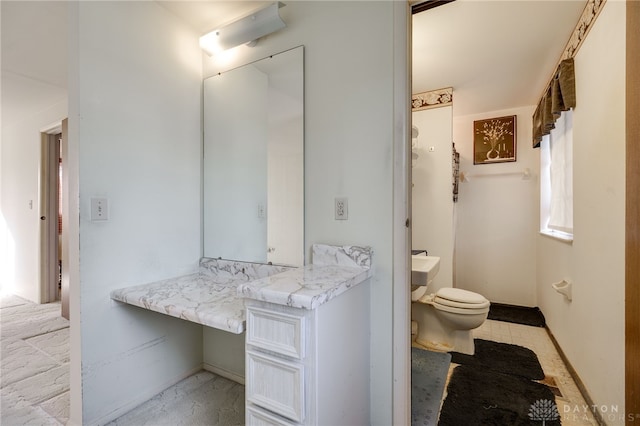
[349, 127]
[590, 329]
[136, 130]
[432, 194]
[20, 168]
[497, 216]
[223, 353]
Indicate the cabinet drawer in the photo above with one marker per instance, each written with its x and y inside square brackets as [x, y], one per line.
[275, 385]
[276, 331]
[256, 416]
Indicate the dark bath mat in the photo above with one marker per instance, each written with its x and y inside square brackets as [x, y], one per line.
[428, 377]
[516, 314]
[502, 358]
[476, 396]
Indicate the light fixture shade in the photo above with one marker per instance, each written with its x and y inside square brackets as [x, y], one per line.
[244, 30]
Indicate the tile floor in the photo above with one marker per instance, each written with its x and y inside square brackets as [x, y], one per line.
[201, 399]
[34, 380]
[34, 368]
[537, 339]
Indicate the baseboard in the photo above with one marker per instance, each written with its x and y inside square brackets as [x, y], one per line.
[574, 375]
[141, 399]
[509, 305]
[224, 373]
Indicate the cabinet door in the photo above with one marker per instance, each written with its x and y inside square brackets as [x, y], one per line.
[276, 385]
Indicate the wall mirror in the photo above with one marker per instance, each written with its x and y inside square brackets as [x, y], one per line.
[253, 201]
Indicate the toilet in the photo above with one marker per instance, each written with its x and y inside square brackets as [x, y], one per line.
[444, 321]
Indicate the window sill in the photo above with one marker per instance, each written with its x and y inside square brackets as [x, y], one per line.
[557, 235]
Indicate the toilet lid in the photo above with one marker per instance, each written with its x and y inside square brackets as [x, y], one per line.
[459, 298]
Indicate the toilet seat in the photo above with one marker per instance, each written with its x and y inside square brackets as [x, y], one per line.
[461, 311]
[459, 299]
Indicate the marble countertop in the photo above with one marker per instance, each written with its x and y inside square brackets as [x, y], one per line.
[307, 287]
[214, 296]
[197, 297]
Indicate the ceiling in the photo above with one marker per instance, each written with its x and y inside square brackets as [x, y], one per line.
[205, 16]
[34, 57]
[495, 54]
[34, 47]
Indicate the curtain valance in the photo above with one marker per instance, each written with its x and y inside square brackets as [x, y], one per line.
[559, 96]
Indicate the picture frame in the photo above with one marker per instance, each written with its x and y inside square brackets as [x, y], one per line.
[494, 140]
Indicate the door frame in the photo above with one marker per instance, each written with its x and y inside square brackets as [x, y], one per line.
[401, 355]
[632, 227]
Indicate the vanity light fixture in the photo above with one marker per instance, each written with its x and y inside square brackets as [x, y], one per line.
[245, 30]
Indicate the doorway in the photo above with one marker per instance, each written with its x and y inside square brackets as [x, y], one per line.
[52, 192]
[632, 271]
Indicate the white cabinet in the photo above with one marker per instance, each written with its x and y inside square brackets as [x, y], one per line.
[277, 385]
[259, 417]
[277, 332]
[308, 367]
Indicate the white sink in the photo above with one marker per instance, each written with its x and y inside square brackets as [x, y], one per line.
[424, 269]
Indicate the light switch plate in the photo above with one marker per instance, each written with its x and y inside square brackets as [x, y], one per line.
[99, 209]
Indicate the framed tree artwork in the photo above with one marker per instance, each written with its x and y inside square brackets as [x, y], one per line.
[494, 140]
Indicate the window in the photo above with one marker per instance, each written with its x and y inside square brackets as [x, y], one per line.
[556, 179]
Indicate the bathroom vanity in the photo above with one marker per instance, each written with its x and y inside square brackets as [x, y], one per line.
[304, 329]
[307, 330]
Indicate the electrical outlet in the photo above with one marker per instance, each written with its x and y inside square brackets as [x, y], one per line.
[261, 211]
[341, 208]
